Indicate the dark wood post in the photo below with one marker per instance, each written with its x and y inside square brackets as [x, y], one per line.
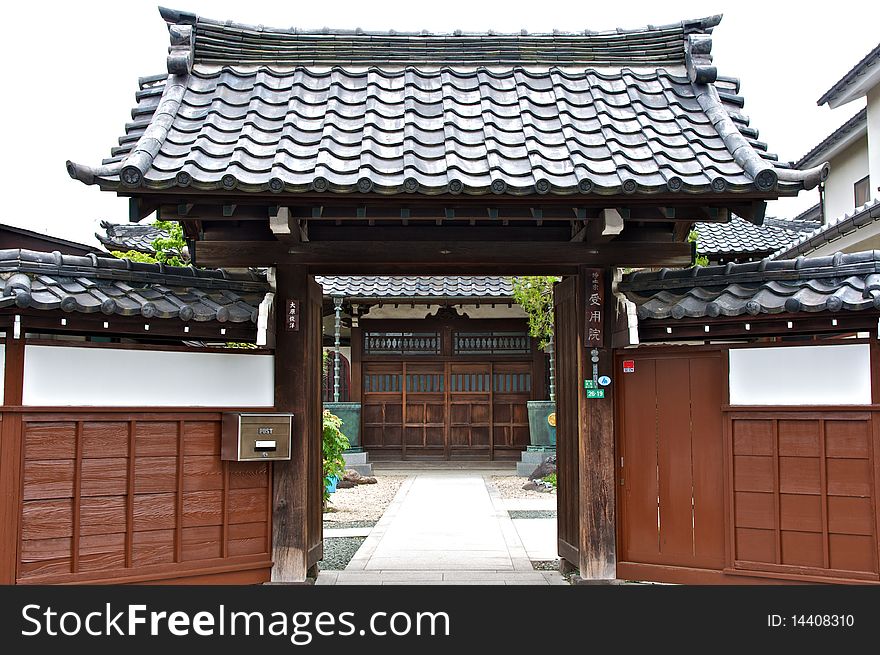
[10, 458]
[296, 484]
[597, 548]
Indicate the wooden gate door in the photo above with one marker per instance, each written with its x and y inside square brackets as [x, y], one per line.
[470, 410]
[424, 410]
[568, 356]
[671, 475]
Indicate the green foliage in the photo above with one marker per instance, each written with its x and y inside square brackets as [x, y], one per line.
[534, 293]
[169, 250]
[551, 479]
[135, 256]
[700, 260]
[335, 443]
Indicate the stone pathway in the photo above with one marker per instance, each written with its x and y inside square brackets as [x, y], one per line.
[446, 527]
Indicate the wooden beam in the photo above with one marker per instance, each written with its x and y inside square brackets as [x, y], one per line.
[378, 256]
[597, 548]
[295, 483]
[284, 226]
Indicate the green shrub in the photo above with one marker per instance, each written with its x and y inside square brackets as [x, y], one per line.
[551, 479]
[335, 443]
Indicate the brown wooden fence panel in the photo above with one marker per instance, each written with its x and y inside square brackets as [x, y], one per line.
[568, 384]
[670, 441]
[116, 497]
[803, 493]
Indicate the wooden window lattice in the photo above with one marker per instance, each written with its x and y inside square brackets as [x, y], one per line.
[491, 343]
[402, 343]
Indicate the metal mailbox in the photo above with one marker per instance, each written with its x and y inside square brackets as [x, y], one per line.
[256, 437]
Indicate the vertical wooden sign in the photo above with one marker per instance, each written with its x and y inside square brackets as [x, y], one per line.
[292, 320]
[595, 309]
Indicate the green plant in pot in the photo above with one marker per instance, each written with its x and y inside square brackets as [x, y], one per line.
[334, 444]
[534, 293]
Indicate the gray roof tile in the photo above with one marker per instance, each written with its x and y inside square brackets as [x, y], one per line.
[841, 281]
[436, 286]
[852, 77]
[115, 286]
[811, 240]
[286, 110]
[130, 236]
[740, 238]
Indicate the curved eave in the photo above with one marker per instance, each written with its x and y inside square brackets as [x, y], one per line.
[113, 183]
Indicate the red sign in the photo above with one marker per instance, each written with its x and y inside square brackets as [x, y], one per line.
[292, 319]
[629, 366]
[595, 302]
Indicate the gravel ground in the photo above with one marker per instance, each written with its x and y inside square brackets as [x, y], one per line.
[365, 502]
[510, 486]
[338, 552]
[348, 524]
[532, 513]
[546, 565]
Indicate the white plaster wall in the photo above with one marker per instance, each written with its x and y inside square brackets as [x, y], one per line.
[847, 168]
[801, 375]
[115, 377]
[874, 140]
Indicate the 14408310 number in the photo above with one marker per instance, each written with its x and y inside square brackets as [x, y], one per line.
[811, 621]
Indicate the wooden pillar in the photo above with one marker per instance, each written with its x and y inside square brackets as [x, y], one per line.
[597, 548]
[297, 484]
[10, 458]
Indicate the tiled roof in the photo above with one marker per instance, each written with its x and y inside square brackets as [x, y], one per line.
[837, 282]
[807, 242]
[256, 109]
[111, 286]
[130, 236]
[398, 286]
[739, 237]
[855, 74]
[837, 138]
[807, 221]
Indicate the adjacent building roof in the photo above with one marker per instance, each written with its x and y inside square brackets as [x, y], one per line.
[416, 287]
[807, 242]
[739, 238]
[12, 236]
[109, 286]
[130, 236]
[806, 221]
[255, 109]
[838, 282]
[856, 82]
[839, 139]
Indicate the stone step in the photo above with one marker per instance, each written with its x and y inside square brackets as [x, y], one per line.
[525, 469]
[535, 457]
[356, 458]
[363, 469]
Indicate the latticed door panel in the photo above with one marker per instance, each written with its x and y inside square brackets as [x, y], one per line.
[383, 406]
[470, 411]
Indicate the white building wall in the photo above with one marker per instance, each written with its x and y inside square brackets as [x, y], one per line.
[874, 140]
[801, 375]
[847, 168]
[116, 377]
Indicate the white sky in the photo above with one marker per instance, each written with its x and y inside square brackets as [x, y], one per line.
[71, 72]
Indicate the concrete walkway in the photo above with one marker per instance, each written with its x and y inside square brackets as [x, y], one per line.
[444, 527]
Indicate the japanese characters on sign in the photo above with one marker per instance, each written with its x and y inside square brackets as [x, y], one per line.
[292, 316]
[595, 309]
